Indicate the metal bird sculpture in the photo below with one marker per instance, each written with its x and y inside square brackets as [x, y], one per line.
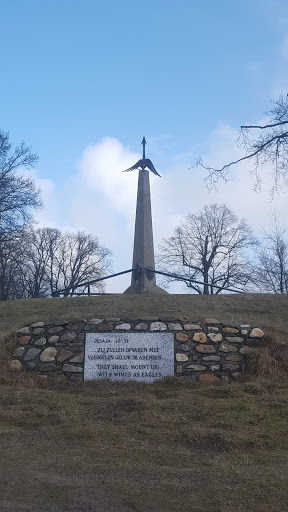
[144, 162]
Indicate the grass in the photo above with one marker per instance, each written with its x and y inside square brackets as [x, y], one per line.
[131, 447]
[171, 446]
[260, 310]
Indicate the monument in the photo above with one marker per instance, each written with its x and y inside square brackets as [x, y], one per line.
[140, 356]
[143, 280]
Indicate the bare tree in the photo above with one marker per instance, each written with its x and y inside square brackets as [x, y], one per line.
[80, 259]
[10, 269]
[263, 144]
[272, 265]
[52, 260]
[18, 194]
[209, 247]
[37, 266]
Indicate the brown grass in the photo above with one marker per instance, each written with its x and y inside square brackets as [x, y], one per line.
[102, 446]
[264, 310]
[270, 359]
[133, 447]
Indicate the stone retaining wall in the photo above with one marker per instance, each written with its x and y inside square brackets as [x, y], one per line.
[205, 351]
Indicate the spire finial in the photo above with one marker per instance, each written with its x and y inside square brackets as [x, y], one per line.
[144, 163]
[144, 143]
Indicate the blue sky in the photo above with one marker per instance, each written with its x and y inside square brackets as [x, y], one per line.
[100, 75]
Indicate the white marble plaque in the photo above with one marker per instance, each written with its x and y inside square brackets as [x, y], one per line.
[142, 357]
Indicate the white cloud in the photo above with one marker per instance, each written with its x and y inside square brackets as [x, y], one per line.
[101, 199]
[49, 214]
[101, 169]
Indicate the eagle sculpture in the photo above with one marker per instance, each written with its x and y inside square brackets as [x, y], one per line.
[144, 163]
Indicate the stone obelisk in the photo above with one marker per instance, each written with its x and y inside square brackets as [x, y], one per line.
[143, 281]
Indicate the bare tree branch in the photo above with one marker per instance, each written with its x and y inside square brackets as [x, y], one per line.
[269, 147]
[272, 265]
[18, 194]
[210, 246]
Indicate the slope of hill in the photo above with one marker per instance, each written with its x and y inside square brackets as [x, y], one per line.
[267, 311]
[171, 446]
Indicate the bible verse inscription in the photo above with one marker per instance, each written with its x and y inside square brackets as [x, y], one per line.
[129, 356]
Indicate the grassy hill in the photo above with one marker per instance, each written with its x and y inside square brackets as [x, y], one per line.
[172, 446]
[264, 310]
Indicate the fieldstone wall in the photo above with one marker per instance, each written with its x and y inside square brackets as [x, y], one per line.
[204, 351]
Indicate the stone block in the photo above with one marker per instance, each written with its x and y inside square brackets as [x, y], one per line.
[141, 326]
[23, 331]
[225, 347]
[73, 327]
[215, 367]
[24, 340]
[78, 359]
[234, 357]
[64, 354]
[174, 326]
[40, 342]
[53, 339]
[55, 330]
[105, 327]
[48, 355]
[200, 337]
[208, 377]
[192, 327]
[30, 365]
[211, 321]
[195, 367]
[38, 324]
[215, 336]
[19, 351]
[38, 331]
[180, 336]
[230, 366]
[181, 357]
[184, 347]
[256, 333]
[72, 369]
[49, 367]
[231, 330]
[211, 358]
[31, 353]
[234, 339]
[246, 350]
[123, 327]
[205, 349]
[15, 365]
[158, 326]
[69, 336]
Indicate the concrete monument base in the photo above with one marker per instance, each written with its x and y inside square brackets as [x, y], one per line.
[155, 289]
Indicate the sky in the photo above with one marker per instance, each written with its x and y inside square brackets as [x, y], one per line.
[82, 82]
